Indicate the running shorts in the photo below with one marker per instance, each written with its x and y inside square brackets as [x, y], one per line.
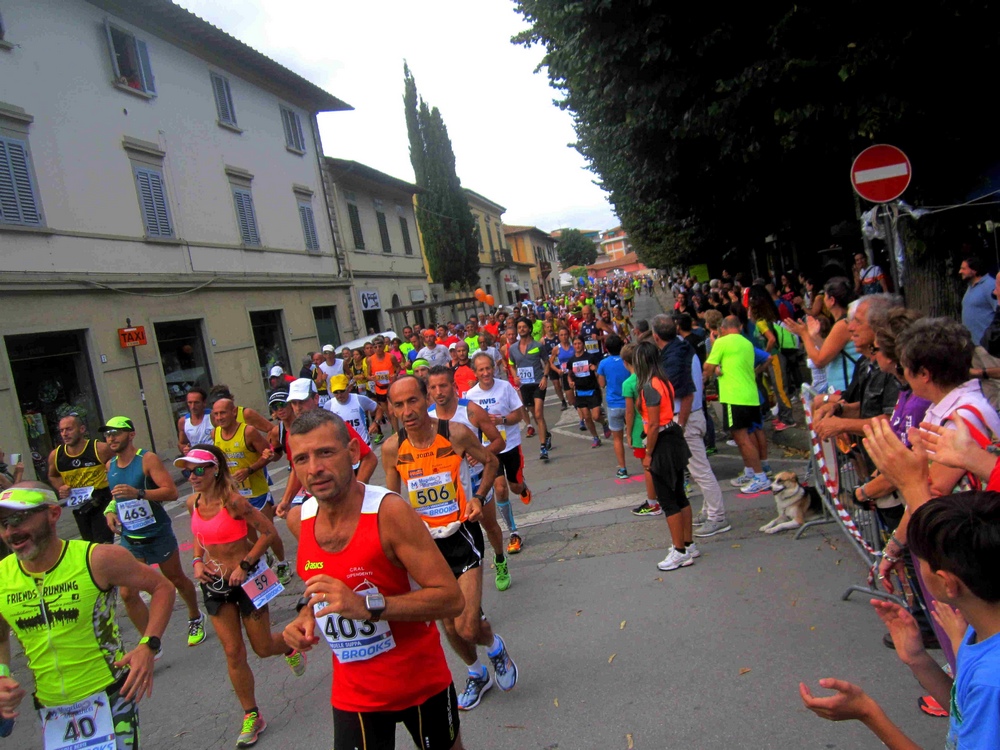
[593, 401]
[738, 417]
[381, 398]
[464, 549]
[531, 392]
[261, 500]
[223, 593]
[152, 550]
[512, 465]
[433, 725]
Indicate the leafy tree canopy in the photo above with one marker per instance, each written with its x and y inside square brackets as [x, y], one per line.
[574, 249]
[713, 127]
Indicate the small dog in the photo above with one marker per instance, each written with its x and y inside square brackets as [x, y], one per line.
[794, 503]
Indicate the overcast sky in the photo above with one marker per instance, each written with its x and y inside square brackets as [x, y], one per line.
[510, 140]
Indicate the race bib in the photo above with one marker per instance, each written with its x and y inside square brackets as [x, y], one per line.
[246, 492]
[299, 498]
[262, 585]
[526, 375]
[581, 369]
[564, 367]
[502, 429]
[135, 514]
[355, 640]
[433, 495]
[592, 346]
[83, 725]
[382, 378]
[78, 496]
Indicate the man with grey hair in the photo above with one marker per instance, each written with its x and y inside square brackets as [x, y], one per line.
[871, 392]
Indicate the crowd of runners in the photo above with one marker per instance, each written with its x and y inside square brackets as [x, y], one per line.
[446, 411]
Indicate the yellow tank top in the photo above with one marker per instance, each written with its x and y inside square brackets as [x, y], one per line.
[240, 456]
[434, 480]
[65, 623]
[82, 470]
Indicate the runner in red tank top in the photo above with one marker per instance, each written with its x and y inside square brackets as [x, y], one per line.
[359, 549]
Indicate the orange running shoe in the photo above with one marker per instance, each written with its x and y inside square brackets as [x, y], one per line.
[526, 496]
[514, 545]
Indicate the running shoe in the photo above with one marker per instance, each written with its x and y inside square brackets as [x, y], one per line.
[675, 560]
[564, 406]
[530, 432]
[543, 454]
[779, 426]
[475, 686]
[503, 576]
[757, 485]
[377, 438]
[700, 520]
[742, 480]
[284, 572]
[711, 450]
[931, 707]
[269, 557]
[621, 474]
[253, 725]
[526, 496]
[692, 549]
[296, 662]
[196, 630]
[595, 443]
[607, 431]
[514, 544]
[548, 442]
[583, 425]
[769, 473]
[504, 668]
[711, 528]
[647, 509]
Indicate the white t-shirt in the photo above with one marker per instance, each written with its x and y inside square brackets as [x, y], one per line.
[332, 371]
[353, 412]
[501, 399]
[437, 355]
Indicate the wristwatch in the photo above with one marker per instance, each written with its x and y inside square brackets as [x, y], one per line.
[481, 498]
[376, 605]
[245, 566]
[140, 494]
[152, 641]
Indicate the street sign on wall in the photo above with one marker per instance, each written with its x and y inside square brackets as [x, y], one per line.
[370, 300]
[133, 336]
[881, 173]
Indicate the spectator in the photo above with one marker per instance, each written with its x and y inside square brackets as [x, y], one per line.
[835, 352]
[978, 304]
[868, 278]
[764, 316]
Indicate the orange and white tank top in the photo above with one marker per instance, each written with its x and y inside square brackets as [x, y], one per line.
[434, 481]
[377, 666]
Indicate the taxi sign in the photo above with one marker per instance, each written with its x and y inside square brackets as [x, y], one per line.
[134, 336]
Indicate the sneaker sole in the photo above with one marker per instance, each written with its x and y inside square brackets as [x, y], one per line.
[649, 514]
[687, 564]
[723, 530]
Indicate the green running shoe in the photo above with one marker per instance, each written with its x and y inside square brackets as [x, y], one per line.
[503, 574]
[296, 662]
[196, 630]
[253, 725]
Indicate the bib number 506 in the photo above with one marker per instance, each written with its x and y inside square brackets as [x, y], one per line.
[433, 495]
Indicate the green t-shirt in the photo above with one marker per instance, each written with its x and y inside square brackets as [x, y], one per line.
[630, 390]
[536, 328]
[737, 382]
[473, 343]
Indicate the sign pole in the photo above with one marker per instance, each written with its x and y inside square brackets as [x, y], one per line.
[142, 392]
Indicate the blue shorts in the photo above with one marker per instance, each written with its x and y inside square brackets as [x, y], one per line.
[152, 550]
[616, 418]
[261, 500]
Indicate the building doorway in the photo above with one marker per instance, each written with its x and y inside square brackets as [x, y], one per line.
[326, 326]
[269, 340]
[373, 321]
[52, 379]
[183, 359]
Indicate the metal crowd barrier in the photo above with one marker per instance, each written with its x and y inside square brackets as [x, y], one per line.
[835, 477]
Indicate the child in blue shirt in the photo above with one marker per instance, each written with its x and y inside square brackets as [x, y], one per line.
[611, 374]
[955, 540]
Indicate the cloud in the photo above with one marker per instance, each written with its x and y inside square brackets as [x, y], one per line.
[510, 140]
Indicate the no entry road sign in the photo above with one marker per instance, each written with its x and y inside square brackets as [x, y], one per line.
[881, 173]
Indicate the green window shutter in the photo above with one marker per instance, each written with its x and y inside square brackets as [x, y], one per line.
[405, 229]
[383, 230]
[359, 238]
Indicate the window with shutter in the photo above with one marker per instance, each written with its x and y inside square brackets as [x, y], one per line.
[18, 198]
[153, 202]
[223, 99]
[292, 124]
[308, 226]
[359, 238]
[130, 60]
[383, 230]
[405, 229]
[246, 217]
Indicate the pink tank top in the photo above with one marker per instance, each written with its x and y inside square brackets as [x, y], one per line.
[222, 528]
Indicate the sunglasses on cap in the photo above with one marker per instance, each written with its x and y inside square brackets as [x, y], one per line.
[16, 518]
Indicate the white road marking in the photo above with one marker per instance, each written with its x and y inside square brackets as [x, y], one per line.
[590, 507]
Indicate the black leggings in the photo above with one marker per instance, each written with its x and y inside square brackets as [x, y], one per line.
[433, 725]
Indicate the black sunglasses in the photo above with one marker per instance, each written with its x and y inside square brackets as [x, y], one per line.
[278, 405]
[18, 517]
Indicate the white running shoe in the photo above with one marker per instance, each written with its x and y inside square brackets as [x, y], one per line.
[675, 560]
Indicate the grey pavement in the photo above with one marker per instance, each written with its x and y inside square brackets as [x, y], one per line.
[611, 652]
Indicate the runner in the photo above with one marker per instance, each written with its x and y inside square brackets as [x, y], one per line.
[376, 582]
[528, 360]
[331, 367]
[247, 453]
[351, 407]
[447, 405]
[235, 581]
[302, 398]
[76, 471]
[140, 485]
[383, 370]
[465, 376]
[86, 685]
[558, 362]
[586, 390]
[499, 399]
[430, 455]
[550, 341]
[357, 370]
[195, 426]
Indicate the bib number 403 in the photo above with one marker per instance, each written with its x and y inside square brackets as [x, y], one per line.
[338, 627]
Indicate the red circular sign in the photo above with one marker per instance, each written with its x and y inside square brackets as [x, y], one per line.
[881, 173]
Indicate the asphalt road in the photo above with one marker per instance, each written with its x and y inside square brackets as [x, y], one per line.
[612, 653]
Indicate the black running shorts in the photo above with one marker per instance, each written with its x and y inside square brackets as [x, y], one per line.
[737, 417]
[433, 725]
[464, 549]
